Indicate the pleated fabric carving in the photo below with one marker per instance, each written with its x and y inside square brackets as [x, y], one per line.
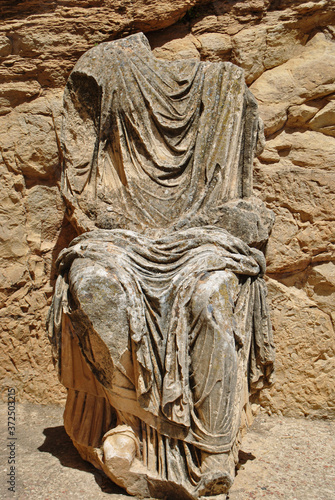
[159, 321]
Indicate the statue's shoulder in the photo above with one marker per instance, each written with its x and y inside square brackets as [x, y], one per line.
[101, 52]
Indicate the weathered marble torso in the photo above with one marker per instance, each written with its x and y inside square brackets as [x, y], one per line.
[150, 144]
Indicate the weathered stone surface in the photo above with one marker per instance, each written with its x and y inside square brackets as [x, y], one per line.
[303, 201]
[180, 45]
[26, 291]
[299, 116]
[28, 139]
[165, 275]
[308, 76]
[215, 46]
[14, 93]
[51, 39]
[303, 149]
[305, 363]
[324, 120]
[32, 216]
[320, 287]
[36, 54]
[249, 48]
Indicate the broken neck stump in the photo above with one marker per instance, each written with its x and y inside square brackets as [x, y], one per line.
[159, 321]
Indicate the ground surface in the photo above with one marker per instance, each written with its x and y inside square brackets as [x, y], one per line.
[288, 459]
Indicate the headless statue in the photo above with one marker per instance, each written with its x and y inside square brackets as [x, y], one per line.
[159, 320]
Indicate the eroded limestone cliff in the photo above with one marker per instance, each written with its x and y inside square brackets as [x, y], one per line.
[287, 49]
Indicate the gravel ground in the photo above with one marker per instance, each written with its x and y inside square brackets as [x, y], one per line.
[282, 458]
[291, 459]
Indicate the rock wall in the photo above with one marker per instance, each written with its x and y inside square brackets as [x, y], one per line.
[287, 50]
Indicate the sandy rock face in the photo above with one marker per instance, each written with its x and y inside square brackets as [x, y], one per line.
[305, 368]
[305, 77]
[287, 52]
[32, 234]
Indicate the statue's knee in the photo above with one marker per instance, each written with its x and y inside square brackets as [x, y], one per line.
[218, 289]
[92, 286]
[99, 295]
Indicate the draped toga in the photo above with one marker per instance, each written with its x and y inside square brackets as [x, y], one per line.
[163, 291]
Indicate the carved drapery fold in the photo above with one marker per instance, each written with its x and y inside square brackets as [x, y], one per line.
[155, 144]
[159, 319]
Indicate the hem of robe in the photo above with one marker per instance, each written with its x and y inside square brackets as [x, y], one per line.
[84, 399]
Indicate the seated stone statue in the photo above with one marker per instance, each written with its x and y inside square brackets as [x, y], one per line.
[159, 320]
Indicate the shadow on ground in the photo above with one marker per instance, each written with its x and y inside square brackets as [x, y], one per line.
[58, 444]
